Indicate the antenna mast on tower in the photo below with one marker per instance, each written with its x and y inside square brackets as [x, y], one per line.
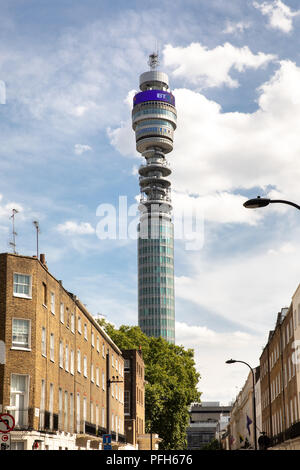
[153, 61]
[14, 233]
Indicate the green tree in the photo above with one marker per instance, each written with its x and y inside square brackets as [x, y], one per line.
[171, 381]
[213, 445]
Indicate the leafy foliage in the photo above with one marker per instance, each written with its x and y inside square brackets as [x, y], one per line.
[213, 445]
[171, 381]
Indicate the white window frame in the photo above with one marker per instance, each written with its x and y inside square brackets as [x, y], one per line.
[62, 312]
[20, 415]
[85, 332]
[61, 354]
[23, 296]
[19, 347]
[79, 325]
[52, 347]
[73, 322]
[52, 302]
[67, 358]
[72, 357]
[79, 361]
[85, 371]
[44, 341]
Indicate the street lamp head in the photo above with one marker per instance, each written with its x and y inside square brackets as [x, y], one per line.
[230, 361]
[257, 202]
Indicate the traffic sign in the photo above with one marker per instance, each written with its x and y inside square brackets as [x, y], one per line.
[106, 438]
[5, 442]
[7, 423]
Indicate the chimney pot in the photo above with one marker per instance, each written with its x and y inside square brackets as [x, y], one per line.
[42, 258]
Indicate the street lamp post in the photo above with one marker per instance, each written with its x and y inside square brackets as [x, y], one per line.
[233, 361]
[263, 202]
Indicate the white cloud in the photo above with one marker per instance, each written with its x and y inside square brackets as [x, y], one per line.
[206, 68]
[234, 28]
[219, 152]
[223, 207]
[79, 149]
[212, 349]
[6, 209]
[74, 228]
[246, 288]
[280, 15]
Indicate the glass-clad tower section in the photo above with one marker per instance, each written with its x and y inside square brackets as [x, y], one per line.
[154, 121]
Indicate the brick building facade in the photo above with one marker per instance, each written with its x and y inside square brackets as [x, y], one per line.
[63, 378]
[279, 371]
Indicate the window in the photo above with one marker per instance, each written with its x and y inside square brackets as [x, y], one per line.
[85, 366]
[103, 417]
[72, 362]
[97, 376]
[79, 325]
[127, 365]
[44, 289]
[17, 445]
[85, 332]
[91, 412]
[19, 398]
[62, 313]
[92, 373]
[61, 354]
[52, 302]
[52, 347]
[97, 416]
[44, 341]
[78, 361]
[72, 322]
[22, 285]
[103, 350]
[98, 344]
[84, 412]
[71, 412]
[112, 361]
[60, 404]
[78, 413]
[51, 405]
[93, 339]
[67, 358]
[103, 381]
[66, 412]
[20, 333]
[42, 405]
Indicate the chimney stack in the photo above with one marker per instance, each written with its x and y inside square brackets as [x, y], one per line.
[43, 259]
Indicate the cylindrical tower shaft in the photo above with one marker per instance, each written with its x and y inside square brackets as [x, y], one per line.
[154, 120]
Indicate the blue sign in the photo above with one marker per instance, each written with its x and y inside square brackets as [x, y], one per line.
[154, 95]
[106, 438]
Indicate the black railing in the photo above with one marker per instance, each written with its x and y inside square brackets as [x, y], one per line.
[49, 422]
[101, 431]
[90, 428]
[291, 433]
[122, 438]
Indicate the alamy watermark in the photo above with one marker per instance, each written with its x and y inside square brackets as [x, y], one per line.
[2, 92]
[121, 223]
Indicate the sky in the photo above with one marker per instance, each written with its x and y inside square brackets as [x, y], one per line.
[68, 72]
